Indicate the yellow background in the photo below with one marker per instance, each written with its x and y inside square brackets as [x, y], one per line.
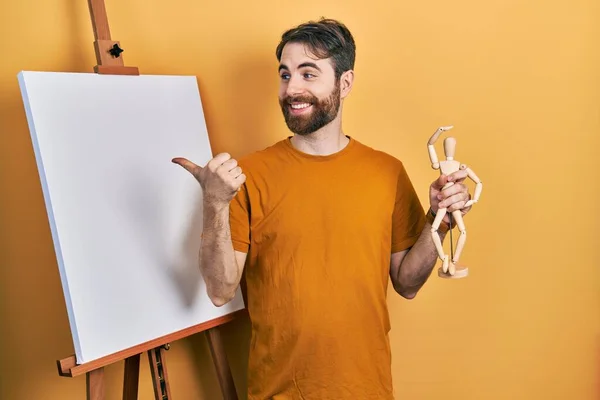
[520, 82]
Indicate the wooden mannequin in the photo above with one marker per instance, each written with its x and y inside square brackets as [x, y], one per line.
[450, 268]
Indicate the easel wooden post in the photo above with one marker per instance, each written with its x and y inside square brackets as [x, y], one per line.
[108, 55]
[156, 349]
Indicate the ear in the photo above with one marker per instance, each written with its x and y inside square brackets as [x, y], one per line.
[346, 81]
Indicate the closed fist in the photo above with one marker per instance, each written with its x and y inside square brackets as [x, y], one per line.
[220, 179]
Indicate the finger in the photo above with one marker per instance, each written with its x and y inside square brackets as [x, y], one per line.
[235, 172]
[458, 176]
[241, 178]
[452, 190]
[221, 157]
[217, 161]
[457, 206]
[229, 165]
[451, 201]
[440, 182]
[187, 164]
[238, 181]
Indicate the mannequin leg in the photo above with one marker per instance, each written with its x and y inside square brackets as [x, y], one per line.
[457, 216]
[435, 236]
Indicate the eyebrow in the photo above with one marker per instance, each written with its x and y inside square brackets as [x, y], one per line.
[303, 65]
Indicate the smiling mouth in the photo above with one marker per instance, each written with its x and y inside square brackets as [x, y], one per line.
[299, 107]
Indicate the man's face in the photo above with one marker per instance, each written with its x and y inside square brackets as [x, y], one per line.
[309, 94]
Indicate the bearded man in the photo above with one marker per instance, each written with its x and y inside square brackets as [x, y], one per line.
[318, 223]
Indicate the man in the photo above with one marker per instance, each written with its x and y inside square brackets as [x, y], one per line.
[318, 222]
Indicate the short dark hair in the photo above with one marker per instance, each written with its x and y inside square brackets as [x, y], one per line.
[324, 38]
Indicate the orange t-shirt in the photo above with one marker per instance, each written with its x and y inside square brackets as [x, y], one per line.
[319, 232]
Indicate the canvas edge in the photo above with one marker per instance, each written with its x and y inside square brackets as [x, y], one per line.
[22, 78]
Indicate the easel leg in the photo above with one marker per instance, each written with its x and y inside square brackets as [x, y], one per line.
[158, 369]
[131, 378]
[94, 381]
[217, 351]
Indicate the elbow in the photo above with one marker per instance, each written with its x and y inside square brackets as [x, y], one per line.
[408, 294]
[219, 299]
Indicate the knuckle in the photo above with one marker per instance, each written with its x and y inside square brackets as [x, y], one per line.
[212, 166]
[219, 159]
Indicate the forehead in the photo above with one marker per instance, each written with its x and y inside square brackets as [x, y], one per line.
[295, 55]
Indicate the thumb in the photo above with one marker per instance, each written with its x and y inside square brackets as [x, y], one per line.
[439, 182]
[187, 164]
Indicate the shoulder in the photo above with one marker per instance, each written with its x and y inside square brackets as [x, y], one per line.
[263, 158]
[379, 158]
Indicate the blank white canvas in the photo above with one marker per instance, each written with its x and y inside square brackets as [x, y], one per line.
[125, 220]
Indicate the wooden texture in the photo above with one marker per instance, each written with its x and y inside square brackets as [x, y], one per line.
[131, 378]
[158, 370]
[95, 384]
[103, 57]
[115, 70]
[460, 271]
[99, 19]
[106, 62]
[450, 267]
[224, 376]
[69, 368]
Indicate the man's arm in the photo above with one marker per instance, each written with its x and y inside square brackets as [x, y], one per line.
[221, 267]
[220, 264]
[410, 269]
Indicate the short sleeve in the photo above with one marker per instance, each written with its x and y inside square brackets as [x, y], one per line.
[408, 217]
[239, 220]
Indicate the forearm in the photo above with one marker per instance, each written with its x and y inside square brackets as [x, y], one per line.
[416, 266]
[218, 263]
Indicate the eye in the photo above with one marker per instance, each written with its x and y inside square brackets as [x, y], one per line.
[308, 75]
[285, 76]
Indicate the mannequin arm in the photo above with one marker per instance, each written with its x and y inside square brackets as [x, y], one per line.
[478, 186]
[435, 164]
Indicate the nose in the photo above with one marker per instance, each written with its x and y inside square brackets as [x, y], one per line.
[294, 86]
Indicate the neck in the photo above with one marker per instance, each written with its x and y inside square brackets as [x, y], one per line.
[328, 140]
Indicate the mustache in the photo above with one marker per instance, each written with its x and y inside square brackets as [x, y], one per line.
[299, 99]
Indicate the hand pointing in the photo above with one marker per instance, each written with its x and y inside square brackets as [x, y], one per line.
[220, 179]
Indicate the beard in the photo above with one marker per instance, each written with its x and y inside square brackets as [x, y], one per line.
[323, 111]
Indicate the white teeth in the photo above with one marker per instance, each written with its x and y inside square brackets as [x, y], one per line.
[300, 106]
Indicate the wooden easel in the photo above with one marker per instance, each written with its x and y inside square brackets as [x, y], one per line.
[110, 61]
[94, 370]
